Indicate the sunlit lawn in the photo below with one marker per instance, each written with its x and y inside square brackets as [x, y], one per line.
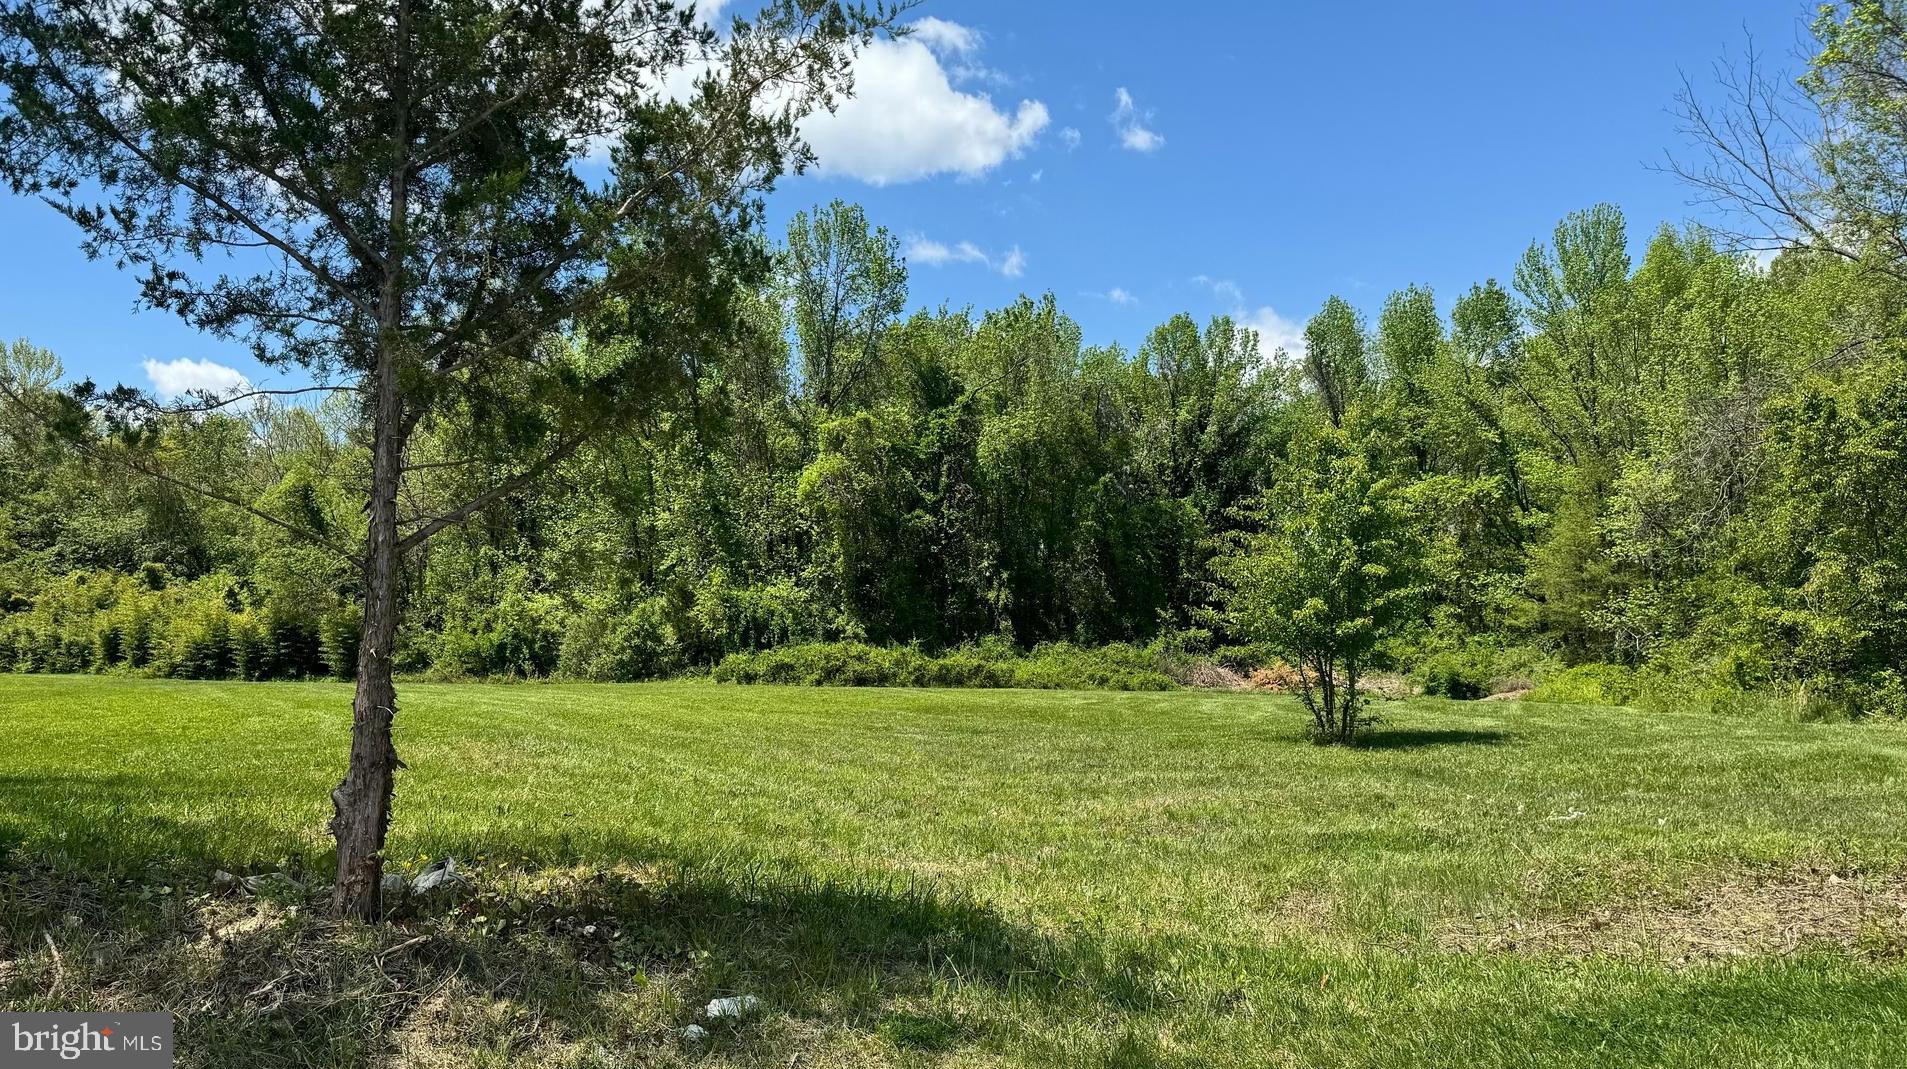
[967, 878]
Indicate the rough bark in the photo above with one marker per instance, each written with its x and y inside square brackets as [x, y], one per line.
[361, 804]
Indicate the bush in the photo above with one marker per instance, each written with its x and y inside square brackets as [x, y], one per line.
[338, 641]
[291, 647]
[1119, 666]
[993, 663]
[1588, 684]
[206, 628]
[615, 644]
[1460, 674]
[1477, 669]
[200, 643]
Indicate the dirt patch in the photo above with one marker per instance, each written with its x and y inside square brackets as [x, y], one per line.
[1508, 695]
[1281, 678]
[1766, 913]
[1386, 686]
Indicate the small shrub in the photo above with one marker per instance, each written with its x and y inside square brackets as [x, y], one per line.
[638, 644]
[1588, 684]
[201, 645]
[293, 647]
[1468, 669]
[338, 641]
[250, 661]
[1461, 674]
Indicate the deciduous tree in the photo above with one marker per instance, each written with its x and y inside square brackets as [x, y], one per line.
[1335, 566]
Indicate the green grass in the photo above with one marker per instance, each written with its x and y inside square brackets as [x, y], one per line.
[968, 878]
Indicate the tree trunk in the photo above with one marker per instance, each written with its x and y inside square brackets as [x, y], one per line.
[1348, 706]
[1327, 697]
[361, 804]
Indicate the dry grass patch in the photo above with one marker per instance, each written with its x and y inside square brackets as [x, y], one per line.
[1780, 912]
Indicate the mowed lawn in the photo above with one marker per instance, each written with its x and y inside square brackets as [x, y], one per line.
[994, 878]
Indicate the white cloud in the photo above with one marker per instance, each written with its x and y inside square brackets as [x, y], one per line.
[1118, 295]
[946, 38]
[1275, 332]
[175, 378]
[1126, 119]
[1223, 288]
[906, 121]
[1070, 138]
[921, 249]
[959, 45]
[925, 251]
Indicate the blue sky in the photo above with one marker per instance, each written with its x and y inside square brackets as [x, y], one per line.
[1140, 160]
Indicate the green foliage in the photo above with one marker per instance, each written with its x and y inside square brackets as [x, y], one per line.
[1337, 565]
[1588, 684]
[1479, 669]
[1680, 463]
[510, 630]
[1452, 674]
[848, 285]
[1685, 467]
[338, 642]
[211, 627]
[1335, 362]
[1051, 666]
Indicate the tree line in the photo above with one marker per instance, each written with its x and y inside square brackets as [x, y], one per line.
[1690, 462]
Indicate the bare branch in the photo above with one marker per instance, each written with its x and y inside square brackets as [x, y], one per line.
[213, 403]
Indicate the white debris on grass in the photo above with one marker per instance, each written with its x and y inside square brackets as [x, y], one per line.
[737, 1007]
[440, 875]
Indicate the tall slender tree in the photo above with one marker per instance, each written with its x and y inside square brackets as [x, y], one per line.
[849, 286]
[1335, 362]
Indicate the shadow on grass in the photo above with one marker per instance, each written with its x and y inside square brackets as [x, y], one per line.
[1413, 738]
[534, 963]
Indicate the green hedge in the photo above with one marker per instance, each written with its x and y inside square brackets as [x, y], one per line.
[1053, 666]
[206, 628]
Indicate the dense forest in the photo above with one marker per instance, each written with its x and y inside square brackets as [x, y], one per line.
[1692, 463]
[1685, 465]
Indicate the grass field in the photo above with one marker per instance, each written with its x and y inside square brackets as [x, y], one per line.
[997, 878]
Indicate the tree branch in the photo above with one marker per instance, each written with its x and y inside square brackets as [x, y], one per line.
[476, 504]
[133, 464]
